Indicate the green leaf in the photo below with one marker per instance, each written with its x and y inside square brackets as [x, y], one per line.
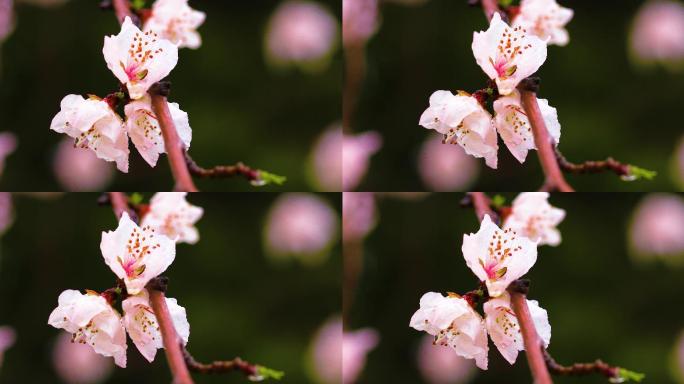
[137, 4]
[505, 3]
[498, 201]
[625, 375]
[264, 373]
[266, 178]
[136, 198]
[636, 173]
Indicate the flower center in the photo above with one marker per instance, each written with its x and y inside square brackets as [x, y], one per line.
[508, 50]
[136, 250]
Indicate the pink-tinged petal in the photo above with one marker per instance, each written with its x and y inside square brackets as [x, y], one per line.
[498, 256]
[545, 19]
[143, 327]
[136, 254]
[175, 21]
[467, 336]
[171, 215]
[514, 127]
[447, 111]
[504, 328]
[143, 127]
[437, 312]
[91, 321]
[533, 217]
[139, 59]
[95, 126]
[507, 54]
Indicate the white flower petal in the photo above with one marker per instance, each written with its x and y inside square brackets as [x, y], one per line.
[533, 217]
[497, 256]
[171, 215]
[136, 254]
[139, 59]
[175, 21]
[437, 312]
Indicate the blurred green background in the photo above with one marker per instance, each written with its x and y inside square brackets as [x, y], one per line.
[240, 109]
[600, 304]
[233, 295]
[606, 105]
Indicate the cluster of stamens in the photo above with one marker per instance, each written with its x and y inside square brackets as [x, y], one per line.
[136, 249]
[519, 125]
[148, 122]
[505, 320]
[85, 334]
[149, 324]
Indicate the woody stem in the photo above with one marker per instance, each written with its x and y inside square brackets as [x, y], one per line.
[172, 143]
[170, 339]
[555, 181]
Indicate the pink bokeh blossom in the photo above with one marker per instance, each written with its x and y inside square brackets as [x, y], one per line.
[7, 339]
[326, 160]
[355, 348]
[79, 169]
[300, 32]
[77, 363]
[356, 153]
[326, 352]
[444, 167]
[360, 20]
[441, 365]
[657, 227]
[359, 215]
[8, 144]
[300, 225]
[658, 33]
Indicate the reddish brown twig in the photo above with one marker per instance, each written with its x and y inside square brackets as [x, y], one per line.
[547, 157]
[172, 342]
[119, 203]
[533, 344]
[554, 177]
[221, 171]
[122, 8]
[579, 369]
[608, 164]
[237, 364]
[172, 143]
[481, 204]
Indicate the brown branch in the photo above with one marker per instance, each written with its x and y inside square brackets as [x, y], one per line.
[579, 369]
[533, 344]
[355, 69]
[156, 288]
[119, 202]
[481, 204]
[172, 143]
[609, 164]
[554, 177]
[122, 8]
[221, 171]
[237, 364]
[547, 157]
[172, 342]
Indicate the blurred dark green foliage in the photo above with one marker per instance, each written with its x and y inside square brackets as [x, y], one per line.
[236, 300]
[600, 304]
[240, 109]
[606, 105]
